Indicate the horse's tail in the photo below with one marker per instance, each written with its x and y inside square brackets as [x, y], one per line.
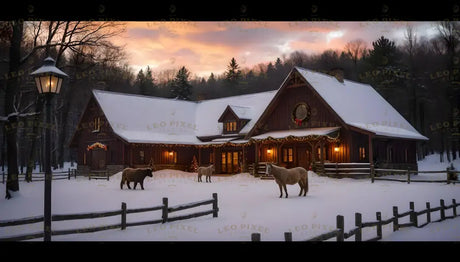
[306, 181]
[123, 178]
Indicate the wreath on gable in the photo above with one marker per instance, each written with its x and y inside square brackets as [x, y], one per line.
[98, 145]
[301, 114]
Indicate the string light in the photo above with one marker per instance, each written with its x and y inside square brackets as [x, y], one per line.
[251, 141]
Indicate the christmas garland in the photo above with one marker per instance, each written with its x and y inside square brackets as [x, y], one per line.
[97, 144]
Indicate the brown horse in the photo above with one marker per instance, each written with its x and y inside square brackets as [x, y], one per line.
[290, 176]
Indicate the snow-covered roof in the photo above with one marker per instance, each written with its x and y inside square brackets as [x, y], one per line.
[242, 112]
[144, 119]
[250, 106]
[360, 105]
[297, 133]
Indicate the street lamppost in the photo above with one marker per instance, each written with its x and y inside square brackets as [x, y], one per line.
[48, 80]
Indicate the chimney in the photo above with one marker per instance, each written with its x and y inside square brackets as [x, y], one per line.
[337, 73]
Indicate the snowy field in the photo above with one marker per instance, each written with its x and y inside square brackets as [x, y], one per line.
[246, 205]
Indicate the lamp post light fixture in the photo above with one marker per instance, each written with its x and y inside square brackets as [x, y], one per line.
[48, 79]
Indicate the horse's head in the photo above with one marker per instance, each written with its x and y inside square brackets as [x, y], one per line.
[213, 168]
[149, 172]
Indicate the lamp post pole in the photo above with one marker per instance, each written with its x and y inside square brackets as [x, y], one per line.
[48, 79]
[48, 173]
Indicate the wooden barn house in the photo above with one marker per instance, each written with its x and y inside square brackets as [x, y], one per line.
[313, 118]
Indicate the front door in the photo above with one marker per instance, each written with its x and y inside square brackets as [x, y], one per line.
[230, 162]
[303, 157]
[98, 159]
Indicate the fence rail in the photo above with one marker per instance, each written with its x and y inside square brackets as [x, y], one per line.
[40, 176]
[166, 210]
[450, 175]
[340, 234]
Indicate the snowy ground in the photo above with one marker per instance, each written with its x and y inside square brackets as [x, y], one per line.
[246, 205]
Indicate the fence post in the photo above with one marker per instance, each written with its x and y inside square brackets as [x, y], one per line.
[68, 174]
[442, 211]
[107, 173]
[395, 219]
[447, 175]
[214, 205]
[372, 173]
[341, 226]
[454, 207]
[413, 215]
[428, 213]
[408, 176]
[164, 214]
[123, 215]
[255, 237]
[288, 236]
[379, 225]
[358, 224]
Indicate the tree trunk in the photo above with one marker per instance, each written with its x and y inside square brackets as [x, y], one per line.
[12, 87]
[33, 145]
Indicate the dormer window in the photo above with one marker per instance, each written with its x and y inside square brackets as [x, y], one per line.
[230, 126]
[234, 118]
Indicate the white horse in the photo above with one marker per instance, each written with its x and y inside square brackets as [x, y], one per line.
[207, 171]
[290, 176]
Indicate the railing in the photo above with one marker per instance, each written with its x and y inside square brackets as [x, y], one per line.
[166, 210]
[40, 176]
[449, 175]
[98, 174]
[340, 170]
[340, 234]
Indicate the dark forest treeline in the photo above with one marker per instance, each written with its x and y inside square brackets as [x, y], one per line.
[420, 78]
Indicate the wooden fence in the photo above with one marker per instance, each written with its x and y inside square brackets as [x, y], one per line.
[164, 207]
[340, 170]
[340, 235]
[375, 172]
[99, 174]
[40, 176]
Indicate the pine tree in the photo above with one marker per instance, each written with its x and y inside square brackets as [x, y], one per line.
[233, 73]
[180, 86]
[211, 80]
[194, 165]
[384, 52]
[145, 82]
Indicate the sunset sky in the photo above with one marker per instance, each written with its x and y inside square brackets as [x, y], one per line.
[205, 47]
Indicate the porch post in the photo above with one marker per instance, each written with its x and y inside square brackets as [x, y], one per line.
[256, 146]
[322, 151]
[131, 155]
[278, 153]
[243, 160]
[199, 156]
[371, 151]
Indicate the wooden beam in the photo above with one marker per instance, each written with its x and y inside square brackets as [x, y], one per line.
[244, 168]
[371, 151]
[131, 156]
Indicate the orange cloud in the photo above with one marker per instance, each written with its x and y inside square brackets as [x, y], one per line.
[205, 47]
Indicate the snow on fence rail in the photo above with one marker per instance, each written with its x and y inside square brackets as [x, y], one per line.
[449, 175]
[166, 210]
[340, 234]
[40, 176]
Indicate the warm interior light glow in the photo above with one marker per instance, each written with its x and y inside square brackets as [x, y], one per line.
[171, 153]
[269, 151]
[336, 149]
[48, 84]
